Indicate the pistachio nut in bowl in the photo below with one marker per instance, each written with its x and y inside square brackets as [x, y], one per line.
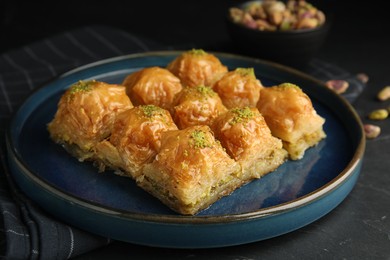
[290, 33]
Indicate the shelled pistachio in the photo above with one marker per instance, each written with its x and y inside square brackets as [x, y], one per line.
[337, 85]
[371, 131]
[362, 77]
[378, 114]
[384, 94]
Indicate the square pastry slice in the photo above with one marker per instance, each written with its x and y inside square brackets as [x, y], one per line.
[290, 115]
[246, 137]
[85, 116]
[134, 140]
[191, 171]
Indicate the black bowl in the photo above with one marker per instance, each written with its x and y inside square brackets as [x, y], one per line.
[293, 48]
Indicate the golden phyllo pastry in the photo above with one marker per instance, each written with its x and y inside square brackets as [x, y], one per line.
[135, 139]
[246, 137]
[290, 115]
[152, 86]
[191, 171]
[239, 88]
[85, 115]
[196, 106]
[189, 133]
[197, 67]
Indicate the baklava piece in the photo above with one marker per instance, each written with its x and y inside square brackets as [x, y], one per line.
[246, 137]
[85, 116]
[290, 115]
[135, 139]
[191, 171]
[152, 86]
[197, 67]
[239, 88]
[196, 106]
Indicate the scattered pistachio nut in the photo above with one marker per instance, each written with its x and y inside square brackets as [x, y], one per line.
[384, 94]
[379, 114]
[371, 131]
[337, 85]
[362, 77]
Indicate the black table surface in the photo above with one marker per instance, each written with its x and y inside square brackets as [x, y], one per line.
[359, 42]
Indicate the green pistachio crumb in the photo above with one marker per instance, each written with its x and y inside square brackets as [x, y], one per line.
[184, 165]
[246, 72]
[205, 91]
[197, 52]
[241, 115]
[199, 139]
[289, 85]
[82, 86]
[151, 110]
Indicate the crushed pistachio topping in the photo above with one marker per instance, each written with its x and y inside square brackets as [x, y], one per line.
[241, 115]
[197, 52]
[205, 91]
[250, 72]
[151, 110]
[82, 86]
[184, 165]
[199, 139]
[289, 85]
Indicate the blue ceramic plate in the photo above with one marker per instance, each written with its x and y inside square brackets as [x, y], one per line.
[298, 193]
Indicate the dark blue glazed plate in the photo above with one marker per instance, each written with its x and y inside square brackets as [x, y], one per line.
[296, 194]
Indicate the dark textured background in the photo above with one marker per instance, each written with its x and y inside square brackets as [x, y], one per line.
[170, 22]
[358, 42]
[199, 22]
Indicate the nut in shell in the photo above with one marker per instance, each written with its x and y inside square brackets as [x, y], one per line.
[337, 85]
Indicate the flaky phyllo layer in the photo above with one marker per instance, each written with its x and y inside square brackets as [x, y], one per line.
[189, 133]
